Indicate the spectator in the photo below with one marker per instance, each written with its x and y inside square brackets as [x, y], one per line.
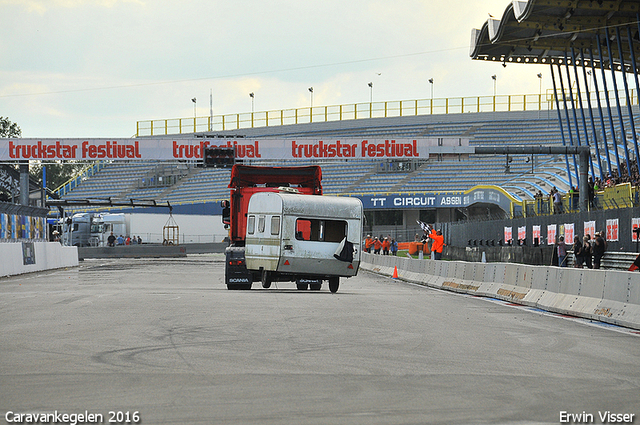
[111, 240]
[599, 248]
[578, 252]
[120, 240]
[139, 240]
[394, 247]
[586, 250]
[557, 202]
[134, 241]
[562, 252]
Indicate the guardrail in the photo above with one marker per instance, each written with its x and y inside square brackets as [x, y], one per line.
[608, 296]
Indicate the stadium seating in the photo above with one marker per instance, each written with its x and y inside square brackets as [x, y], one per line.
[522, 178]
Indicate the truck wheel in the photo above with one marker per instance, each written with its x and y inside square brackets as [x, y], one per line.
[302, 286]
[266, 279]
[334, 282]
[315, 286]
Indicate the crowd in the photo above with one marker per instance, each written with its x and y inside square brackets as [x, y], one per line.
[382, 244]
[586, 251]
[113, 240]
[386, 245]
[610, 180]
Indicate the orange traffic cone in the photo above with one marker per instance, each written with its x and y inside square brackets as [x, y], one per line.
[395, 272]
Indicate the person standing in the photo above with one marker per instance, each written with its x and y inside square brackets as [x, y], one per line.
[368, 243]
[111, 240]
[578, 252]
[562, 252]
[599, 247]
[386, 245]
[394, 247]
[437, 245]
[376, 245]
[586, 251]
[557, 202]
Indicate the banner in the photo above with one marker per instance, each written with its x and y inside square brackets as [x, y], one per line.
[508, 234]
[635, 224]
[536, 234]
[192, 149]
[522, 233]
[551, 234]
[568, 233]
[590, 229]
[612, 229]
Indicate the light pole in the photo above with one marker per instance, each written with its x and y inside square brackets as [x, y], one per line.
[311, 91]
[431, 103]
[540, 95]
[370, 92]
[252, 96]
[495, 79]
[194, 107]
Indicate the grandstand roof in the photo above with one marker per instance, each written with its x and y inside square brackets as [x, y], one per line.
[541, 31]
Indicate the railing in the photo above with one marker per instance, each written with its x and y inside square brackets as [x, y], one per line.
[399, 108]
[619, 196]
[86, 172]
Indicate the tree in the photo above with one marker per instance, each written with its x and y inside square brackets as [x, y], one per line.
[9, 129]
[58, 172]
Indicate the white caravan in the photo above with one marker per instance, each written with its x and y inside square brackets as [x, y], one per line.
[303, 238]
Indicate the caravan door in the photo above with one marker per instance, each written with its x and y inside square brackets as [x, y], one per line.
[264, 228]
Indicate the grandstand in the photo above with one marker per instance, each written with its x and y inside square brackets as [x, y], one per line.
[522, 177]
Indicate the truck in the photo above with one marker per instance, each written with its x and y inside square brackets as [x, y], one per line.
[92, 229]
[278, 221]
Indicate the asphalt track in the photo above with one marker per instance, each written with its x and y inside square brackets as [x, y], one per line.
[166, 339]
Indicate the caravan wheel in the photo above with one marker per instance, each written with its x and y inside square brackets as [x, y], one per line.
[266, 279]
[334, 283]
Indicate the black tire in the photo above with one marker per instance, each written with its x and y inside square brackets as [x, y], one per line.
[266, 279]
[334, 283]
[302, 286]
[315, 286]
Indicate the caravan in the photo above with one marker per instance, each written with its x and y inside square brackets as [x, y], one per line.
[303, 238]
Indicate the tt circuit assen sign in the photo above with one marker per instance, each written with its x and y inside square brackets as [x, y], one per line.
[476, 195]
[192, 149]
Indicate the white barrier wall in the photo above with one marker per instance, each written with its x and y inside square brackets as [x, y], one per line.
[609, 296]
[26, 257]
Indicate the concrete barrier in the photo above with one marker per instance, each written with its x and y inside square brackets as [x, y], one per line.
[28, 257]
[605, 295]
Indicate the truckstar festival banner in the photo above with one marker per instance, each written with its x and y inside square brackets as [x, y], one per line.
[192, 149]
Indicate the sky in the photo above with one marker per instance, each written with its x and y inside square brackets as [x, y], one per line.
[93, 68]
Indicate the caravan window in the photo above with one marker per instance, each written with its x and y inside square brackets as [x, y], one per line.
[251, 224]
[320, 230]
[275, 225]
[261, 224]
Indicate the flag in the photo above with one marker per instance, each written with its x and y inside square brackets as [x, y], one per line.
[424, 226]
[635, 265]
